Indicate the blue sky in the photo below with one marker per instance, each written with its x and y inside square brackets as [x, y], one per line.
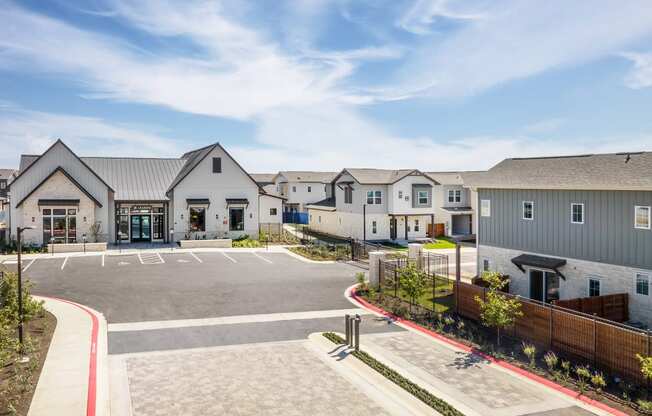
[327, 84]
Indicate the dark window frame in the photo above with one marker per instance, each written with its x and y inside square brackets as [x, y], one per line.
[217, 165]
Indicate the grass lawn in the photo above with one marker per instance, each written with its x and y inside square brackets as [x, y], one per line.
[443, 296]
[393, 246]
[440, 242]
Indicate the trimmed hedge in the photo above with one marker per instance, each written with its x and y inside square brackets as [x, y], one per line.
[420, 393]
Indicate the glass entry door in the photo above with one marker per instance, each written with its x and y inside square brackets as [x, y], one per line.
[544, 286]
[141, 228]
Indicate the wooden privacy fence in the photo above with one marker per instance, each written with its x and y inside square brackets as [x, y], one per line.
[606, 345]
[612, 307]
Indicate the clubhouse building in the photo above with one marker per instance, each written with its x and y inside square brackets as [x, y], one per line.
[204, 194]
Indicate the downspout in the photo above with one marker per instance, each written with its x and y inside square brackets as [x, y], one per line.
[364, 222]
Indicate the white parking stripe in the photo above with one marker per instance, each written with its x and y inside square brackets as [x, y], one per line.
[30, 263]
[196, 258]
[228, 257]
[161, 258]
[262, 258]
[64, 262]
[140, 258]
[102, 260]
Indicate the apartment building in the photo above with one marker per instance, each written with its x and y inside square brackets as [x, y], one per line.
[570, 227]
[376, 204]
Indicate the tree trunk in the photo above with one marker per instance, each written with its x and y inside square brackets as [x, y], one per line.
[498, 335]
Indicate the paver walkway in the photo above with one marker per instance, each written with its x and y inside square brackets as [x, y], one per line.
[286, 378]
[467, 381]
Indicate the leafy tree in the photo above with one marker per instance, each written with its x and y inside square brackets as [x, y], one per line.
[646, 366]
[497, 309]
[413, 282]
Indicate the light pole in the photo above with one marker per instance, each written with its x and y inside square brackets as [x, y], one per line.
[19, 232]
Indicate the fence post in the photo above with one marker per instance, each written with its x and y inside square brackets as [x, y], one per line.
[550, 325]
[346, 327]
[396, 281]
[595, 338]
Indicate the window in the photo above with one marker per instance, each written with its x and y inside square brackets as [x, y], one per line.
[416, 226]
[236, 219]
[272, 211]
[3, 184]
[400, 194]
[577, 213]
[485, 265]
[642, 217]
[455, 195]
[594, 287]
[310, 189]
[197, 221]
[642, 284]
[320, 219]
[348, 195]
[60, 225]
[374, 229]
[294, 189]
[528, 210]
[374, 197]
[485, 208]
[422, 197]
[217, 165]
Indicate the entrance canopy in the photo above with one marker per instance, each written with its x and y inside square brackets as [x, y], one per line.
[237, 201]
[539, 262]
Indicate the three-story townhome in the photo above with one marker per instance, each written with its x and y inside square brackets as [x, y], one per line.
[377, 204]
[570, 227]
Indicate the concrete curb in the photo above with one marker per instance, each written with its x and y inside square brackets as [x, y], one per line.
[74, 379]
[595, 406]
[393, 398]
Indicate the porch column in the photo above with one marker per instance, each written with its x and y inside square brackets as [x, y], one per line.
[432, 226]
[406, 228]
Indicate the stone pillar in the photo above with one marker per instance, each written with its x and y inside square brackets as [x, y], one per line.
[375, 257]
[415, 253]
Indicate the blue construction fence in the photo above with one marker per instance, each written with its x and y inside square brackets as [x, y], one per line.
[295, 217]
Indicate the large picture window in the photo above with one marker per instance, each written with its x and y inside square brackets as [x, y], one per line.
[59, 225]
[197, 220]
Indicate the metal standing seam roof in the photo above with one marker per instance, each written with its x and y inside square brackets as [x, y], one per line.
[613, 171]
[136, 179]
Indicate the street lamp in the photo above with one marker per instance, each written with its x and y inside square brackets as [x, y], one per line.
[19, 231]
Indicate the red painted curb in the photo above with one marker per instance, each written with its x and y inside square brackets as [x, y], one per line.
[504, 364]
[91, 397]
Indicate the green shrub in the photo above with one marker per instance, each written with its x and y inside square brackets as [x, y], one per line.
[9, 301]
[530, 352]
[551, 360]
[597, 379]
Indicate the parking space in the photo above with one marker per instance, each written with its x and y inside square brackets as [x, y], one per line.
[184, 285]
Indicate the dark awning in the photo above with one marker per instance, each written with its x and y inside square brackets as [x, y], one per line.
[198, 201]
[541, 262]
[61, 202]
[457, 209]
[237, 201]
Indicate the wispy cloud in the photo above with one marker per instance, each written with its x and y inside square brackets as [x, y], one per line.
[544, 126]
[25, 131]
[640, 75]
[419, 18]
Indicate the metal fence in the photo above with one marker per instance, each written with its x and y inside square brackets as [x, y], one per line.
[360, 249]
[437, 296]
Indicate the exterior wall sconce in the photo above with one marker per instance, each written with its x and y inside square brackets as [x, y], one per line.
[181, 216]
[251, 215]
[217, 216]
[84, 219]
[33, 219]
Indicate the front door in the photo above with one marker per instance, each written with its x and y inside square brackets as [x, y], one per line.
[392, 228]
[141, 228]
[544, 286]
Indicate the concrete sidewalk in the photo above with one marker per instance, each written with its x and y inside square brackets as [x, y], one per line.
[74, 379]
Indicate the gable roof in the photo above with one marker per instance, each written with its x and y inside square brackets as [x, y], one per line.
[451, 177]
[137, 179]
[30, 162]
[612, 171]
[195, 157]
[6, 173]
[308, 176]
[381, 176]
[70, 178]
[264, 178]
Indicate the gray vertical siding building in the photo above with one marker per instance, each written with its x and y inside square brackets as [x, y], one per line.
[570, 227]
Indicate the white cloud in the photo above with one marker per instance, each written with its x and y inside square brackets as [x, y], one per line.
[640, 75]
[420, 17]
[32, 132]
[520, 39]
[544, 126]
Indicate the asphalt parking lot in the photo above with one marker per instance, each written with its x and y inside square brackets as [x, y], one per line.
[153, 287]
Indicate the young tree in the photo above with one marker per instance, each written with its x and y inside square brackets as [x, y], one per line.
[498, 310]
[413, 282]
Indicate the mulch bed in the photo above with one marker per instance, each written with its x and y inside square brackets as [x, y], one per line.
[40, 330]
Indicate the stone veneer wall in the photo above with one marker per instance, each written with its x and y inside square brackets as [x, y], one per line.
[614, 279]
[57, 187]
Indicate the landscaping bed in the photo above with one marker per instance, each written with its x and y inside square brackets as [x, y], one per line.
[18, 380]
[616, 392]
[323, 252]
